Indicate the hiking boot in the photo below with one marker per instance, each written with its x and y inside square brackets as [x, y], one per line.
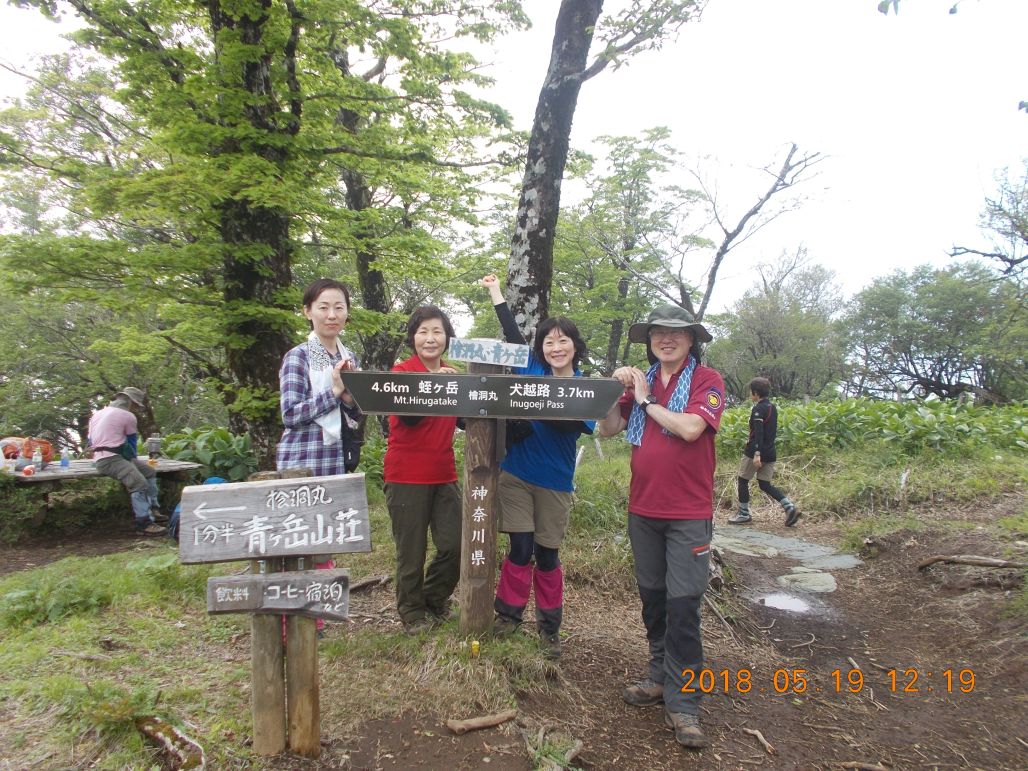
[152, 529]
[792, 514]
[687, 730]
[158, 516]
[418, 625]
[645, 693]
[550, 644]
[505, 626]
[740, 518]
[441, 614]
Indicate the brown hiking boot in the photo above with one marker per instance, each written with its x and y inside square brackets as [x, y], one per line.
[645, 693]
[418, 625]
[550, 644]
[505, 626]
[687, 730]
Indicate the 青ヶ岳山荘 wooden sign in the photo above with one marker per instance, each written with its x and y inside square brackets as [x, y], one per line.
[483, 351]
[483, 396]
[314, 593]
[274, 518]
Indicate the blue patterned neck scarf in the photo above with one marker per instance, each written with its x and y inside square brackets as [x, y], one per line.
[679, 398]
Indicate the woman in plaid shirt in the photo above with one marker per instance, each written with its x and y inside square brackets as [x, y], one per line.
[319, 414]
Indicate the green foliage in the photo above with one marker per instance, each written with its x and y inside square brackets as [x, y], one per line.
[962, 329]
[19, 505]
[88, 500]
[53, 598]
[782, 329]
[221, 453]
[373, 458]
[601, 489]
[910, 427]
[102, 706]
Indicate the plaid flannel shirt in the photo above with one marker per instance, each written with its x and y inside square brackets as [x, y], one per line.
[302, 445]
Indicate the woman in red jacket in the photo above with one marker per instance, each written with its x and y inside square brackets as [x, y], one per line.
[421, 487]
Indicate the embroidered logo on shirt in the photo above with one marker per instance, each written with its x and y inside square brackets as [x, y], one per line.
[714, 399]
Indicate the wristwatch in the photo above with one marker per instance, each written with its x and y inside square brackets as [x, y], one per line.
[650, 399]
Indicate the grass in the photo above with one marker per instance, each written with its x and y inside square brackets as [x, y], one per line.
[88, 645]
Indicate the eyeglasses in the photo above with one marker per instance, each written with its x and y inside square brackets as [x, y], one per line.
[672, 332]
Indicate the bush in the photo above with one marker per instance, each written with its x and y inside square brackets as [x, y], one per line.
[913, 427]
[221, 453]
[19, 506]
[53, 598]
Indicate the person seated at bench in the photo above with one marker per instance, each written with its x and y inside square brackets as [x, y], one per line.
[113, 436]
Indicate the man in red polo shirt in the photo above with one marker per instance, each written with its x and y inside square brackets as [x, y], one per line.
[670, 413]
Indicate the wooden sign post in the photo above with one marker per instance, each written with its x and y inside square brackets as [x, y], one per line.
[482, 396]
[482, 454]
[279, 523]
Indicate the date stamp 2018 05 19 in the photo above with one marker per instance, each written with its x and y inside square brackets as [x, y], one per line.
[799, 681]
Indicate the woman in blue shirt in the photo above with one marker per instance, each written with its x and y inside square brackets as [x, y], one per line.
[536, 482]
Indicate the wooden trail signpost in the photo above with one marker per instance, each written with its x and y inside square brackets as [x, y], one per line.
[279, 524]
[482, 396]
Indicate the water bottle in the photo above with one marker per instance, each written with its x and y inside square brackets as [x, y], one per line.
[65, 459]
[37, 459]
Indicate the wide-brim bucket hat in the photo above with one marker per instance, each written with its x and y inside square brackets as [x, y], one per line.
[668, 316]
[134, 395]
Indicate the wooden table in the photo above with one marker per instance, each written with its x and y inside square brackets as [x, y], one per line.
[172, 474]
[84, 469]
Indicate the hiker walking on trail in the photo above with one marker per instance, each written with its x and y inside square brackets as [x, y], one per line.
[758, 458]
[113, 436]
[671, 413]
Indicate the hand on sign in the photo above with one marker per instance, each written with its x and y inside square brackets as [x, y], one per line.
[642, 388]
[338, 387]
[448, 370]
[626, 376]
[492, 283]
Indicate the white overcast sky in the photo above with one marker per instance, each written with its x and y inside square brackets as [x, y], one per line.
[916, 111]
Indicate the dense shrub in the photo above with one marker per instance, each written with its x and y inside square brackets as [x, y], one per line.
[221, 453]
[913, 427]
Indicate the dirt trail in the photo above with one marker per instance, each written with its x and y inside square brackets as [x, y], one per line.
[935, 629]
[884, 615]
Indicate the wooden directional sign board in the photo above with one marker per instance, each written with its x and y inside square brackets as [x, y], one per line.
[313, 593]
[483, 396]
[483, 351]
[274, 518]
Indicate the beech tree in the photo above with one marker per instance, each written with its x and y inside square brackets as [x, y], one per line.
[783, 328]
[1005, 223]
[637, 241]
[946, 332]
[214, 161]
[641, 26]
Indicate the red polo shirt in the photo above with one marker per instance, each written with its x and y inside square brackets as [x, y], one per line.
[673, 478]
[421, 454]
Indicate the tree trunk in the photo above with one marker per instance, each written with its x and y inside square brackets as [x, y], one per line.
[257, 249]
[530, 267]
[379, 348]
[617, 326]
[255, 343]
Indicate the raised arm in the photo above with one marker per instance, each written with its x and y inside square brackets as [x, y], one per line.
[511, 331]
